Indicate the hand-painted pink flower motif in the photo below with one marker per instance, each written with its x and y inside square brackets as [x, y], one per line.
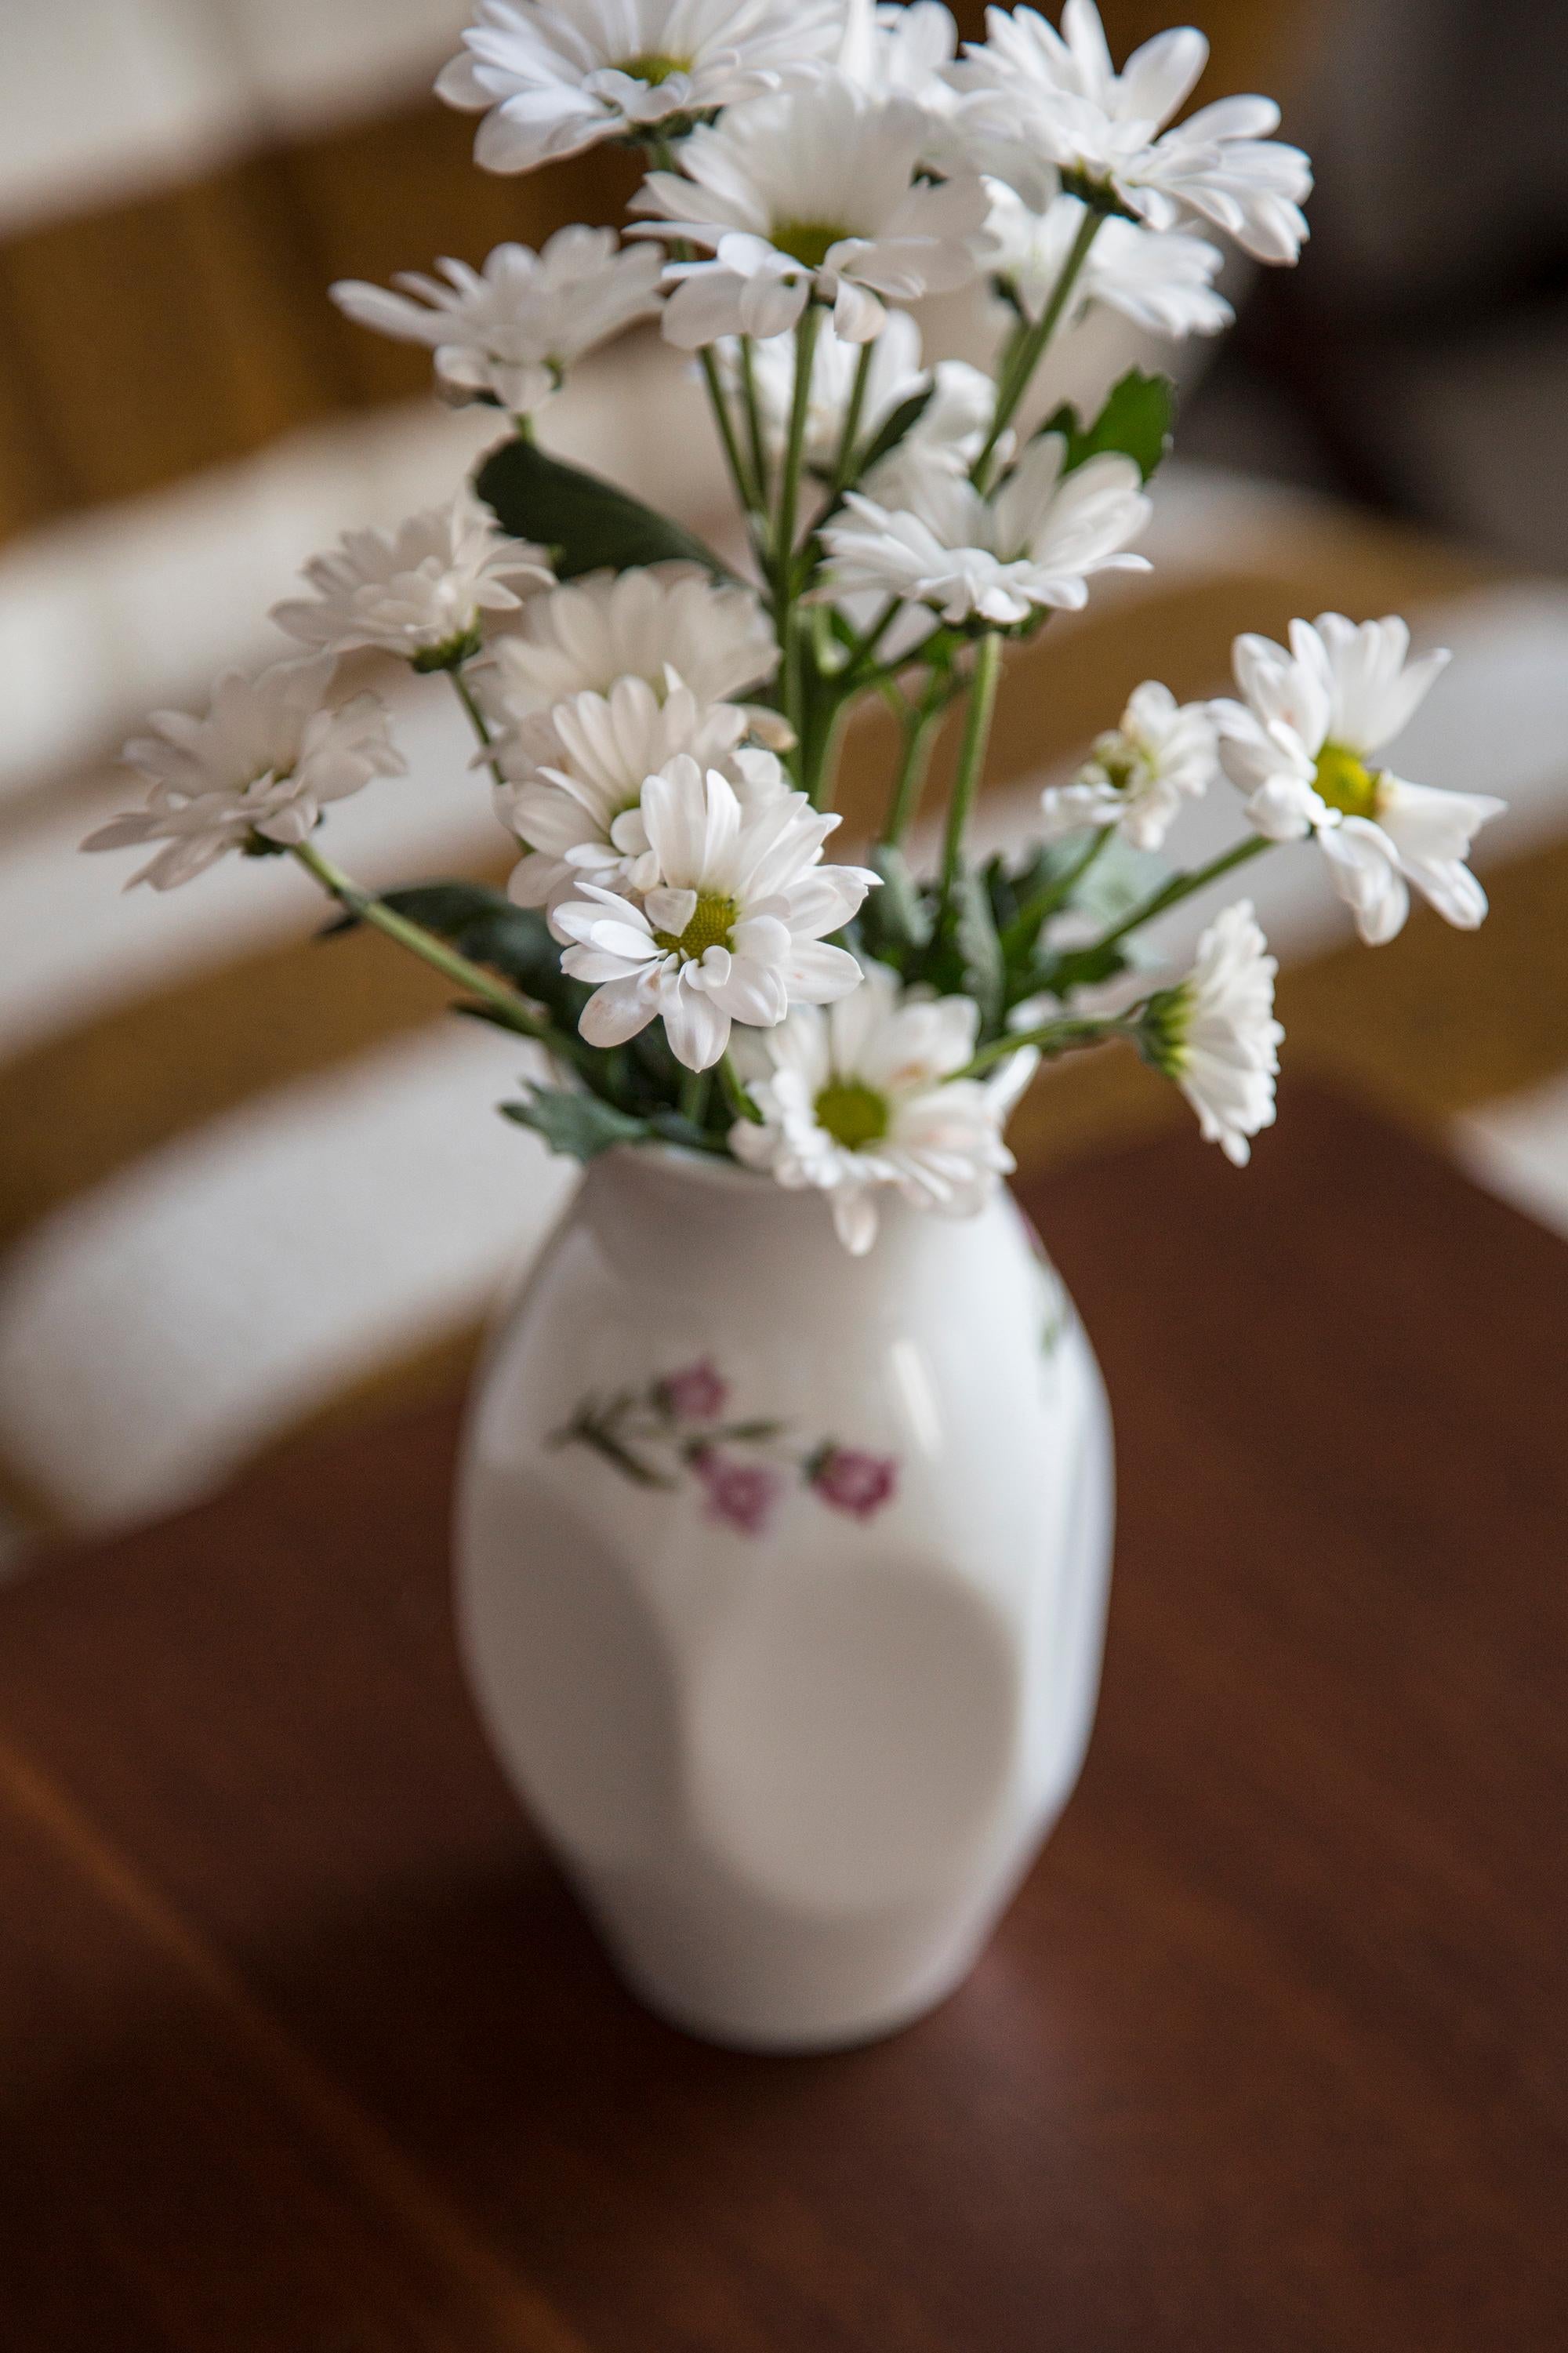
[743, 1496]
[696, 1394]
[855, 1482]
[680, 1426]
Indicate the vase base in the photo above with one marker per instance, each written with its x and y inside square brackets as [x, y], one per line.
[772, 2018]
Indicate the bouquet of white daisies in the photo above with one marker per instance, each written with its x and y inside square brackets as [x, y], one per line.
[661, 726]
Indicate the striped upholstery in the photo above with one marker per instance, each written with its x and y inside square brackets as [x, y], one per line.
[253, 1181]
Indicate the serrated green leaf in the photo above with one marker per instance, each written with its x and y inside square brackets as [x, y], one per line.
[588, 524]
[577, 1125]
[1135, 421]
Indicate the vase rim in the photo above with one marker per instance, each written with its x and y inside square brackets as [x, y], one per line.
[685, 1160]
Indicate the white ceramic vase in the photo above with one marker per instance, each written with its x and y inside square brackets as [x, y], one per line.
[782, 1581]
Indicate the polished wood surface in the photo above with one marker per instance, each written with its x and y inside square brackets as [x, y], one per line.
[306, 2048]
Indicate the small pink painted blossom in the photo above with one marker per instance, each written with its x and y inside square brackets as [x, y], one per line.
[743, 1496]
[853, 1482]
[697, 1394]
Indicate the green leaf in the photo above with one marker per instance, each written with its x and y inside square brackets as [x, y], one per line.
[587, 523]
[895, 428]
[1135, 421]
[966, 958]
[674, 1127]
[1120, 878]
[479, 922]
[1012, 888]
[1079, 968]
[883, 442]
[484, 925]
[896, 918]
[654, 1075]
[577, 1125]
[979, 949]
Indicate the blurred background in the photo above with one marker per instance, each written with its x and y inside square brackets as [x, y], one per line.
[250, 1184]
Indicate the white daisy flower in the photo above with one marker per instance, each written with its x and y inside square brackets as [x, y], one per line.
[552, 77]
[866, 1096]
[1216, 1036]
[1059, 95]
[510, 331]
[810, 197]
[1303, 745]
[948, 436]
[956, 418]
[585, 634]
[422, 591]
[1162, 754]
[260, 766]
[1033, 542]
[899, 50]
[905, 51]
[574, 774]
[1162, 281]
[734, 930]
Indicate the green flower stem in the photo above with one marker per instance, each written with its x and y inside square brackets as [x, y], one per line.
[515, 1011]
[1182, 886]
[1026, 924]
[846, 469]
[830, 696]
[922, 726]
[829, 716]
[1026, 354]
[793, 686]
[1052, 1038]
[480, 723]
[696, 1086]
[805, 335]
[972, 759]
[737, 1094]
[754, 421]
[660, 153]
[746, 491]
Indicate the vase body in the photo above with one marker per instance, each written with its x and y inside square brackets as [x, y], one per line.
[781, 1587]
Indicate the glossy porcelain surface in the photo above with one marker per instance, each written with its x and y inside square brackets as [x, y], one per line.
[781, 1582]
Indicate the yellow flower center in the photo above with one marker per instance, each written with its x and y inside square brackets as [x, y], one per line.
[654, 68]
[806, 242]
[1346, 783]
[711, 923]
[853, 1116]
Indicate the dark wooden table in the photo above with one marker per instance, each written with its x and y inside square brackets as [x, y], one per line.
[306, 2047]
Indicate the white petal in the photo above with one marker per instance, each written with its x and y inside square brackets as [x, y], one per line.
[616, 1012]
[1362, 866]
[698, 1029]
[818, 974]
[855, 1218]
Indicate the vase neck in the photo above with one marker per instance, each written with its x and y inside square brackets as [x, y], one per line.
[691, 1212]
